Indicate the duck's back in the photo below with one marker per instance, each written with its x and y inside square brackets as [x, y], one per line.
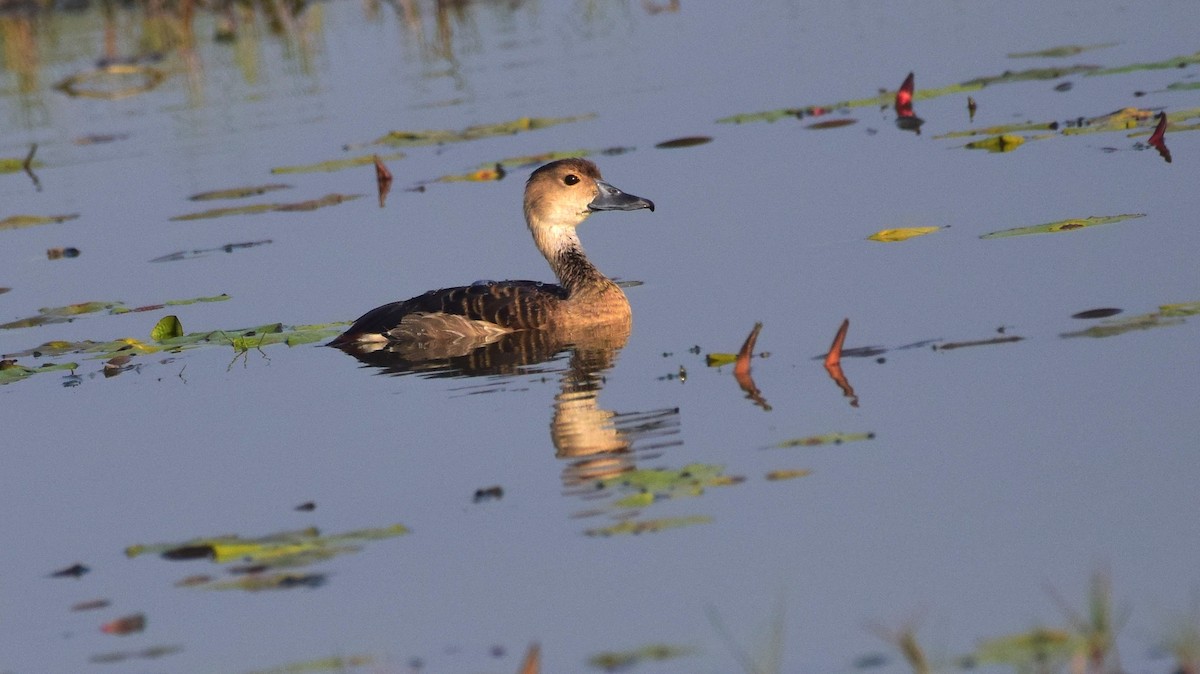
[474, 311]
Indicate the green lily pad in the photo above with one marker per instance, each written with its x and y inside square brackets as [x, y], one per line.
[11, 371]
[168, 327]
[1062, 225]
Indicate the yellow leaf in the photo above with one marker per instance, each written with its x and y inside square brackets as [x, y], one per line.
[1005, 142]
[901, 234]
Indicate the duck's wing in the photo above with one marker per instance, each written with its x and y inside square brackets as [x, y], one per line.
[481, 310]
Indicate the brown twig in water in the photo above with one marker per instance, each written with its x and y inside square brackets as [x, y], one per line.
[533, 660]
[833, 363]
[28, 166]
[741, 370]
[383, 180]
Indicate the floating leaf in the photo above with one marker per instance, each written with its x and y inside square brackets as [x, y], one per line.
[1167, 315]
[59, 314]
[124, 625]
[1183, 86]
[337, 164]
[112, 82]
[888, 98]
[19, 221]
[648, 526]
[15, 164]
[612, 661]
[719, 359]
[1002, 143]
[438, 137]
[950, 346]
[486, 174]
[10, 371]
[1001, 129]
[91, 605]
[168, 327]
[1176, 62]
[1096, 313]
[271, 581]
[1156, 139]
[902, 234]
[832, 124]
[1060, 52]
[686, 141]
[1024, 651]
[310, 205]
[287, 548]
[238, 192]
[1062, 225]
[827, 439]
[777, 475]
[334, 664]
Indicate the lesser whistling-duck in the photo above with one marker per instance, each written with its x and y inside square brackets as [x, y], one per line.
[558, 196]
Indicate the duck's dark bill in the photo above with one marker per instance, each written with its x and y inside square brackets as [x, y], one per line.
[613, 199]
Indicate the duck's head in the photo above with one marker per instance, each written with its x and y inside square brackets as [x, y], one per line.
[566, 191]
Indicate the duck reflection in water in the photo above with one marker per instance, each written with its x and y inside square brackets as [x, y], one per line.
[507, 327]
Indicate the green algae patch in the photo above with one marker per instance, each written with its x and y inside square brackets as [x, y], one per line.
[333, 165]
[1175, 62]
[21, 221]
[441, 136]
[611, 661]
[1061, 51]
[50, 315]
[1000, 130]
[648, 526]
[1063, 225]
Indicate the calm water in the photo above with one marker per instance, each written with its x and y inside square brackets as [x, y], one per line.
[994, 473]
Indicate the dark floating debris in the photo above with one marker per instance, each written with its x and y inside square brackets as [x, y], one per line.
[201, 252]
[73, 571]
[59, 253]
[493, 493]
[1097, 313]
[971, 107]
[1064, 86]
[307, 507]
[91, 605]
[685, 141]
[978, 342]
[99, 138]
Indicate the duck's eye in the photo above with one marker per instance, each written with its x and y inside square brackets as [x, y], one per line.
[571, 179]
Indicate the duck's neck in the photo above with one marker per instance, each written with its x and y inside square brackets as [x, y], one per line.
[561, 247]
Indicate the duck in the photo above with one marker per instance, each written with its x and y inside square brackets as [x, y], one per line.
[559, 196]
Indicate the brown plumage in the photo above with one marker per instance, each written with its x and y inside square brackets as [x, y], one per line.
[558, 196]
